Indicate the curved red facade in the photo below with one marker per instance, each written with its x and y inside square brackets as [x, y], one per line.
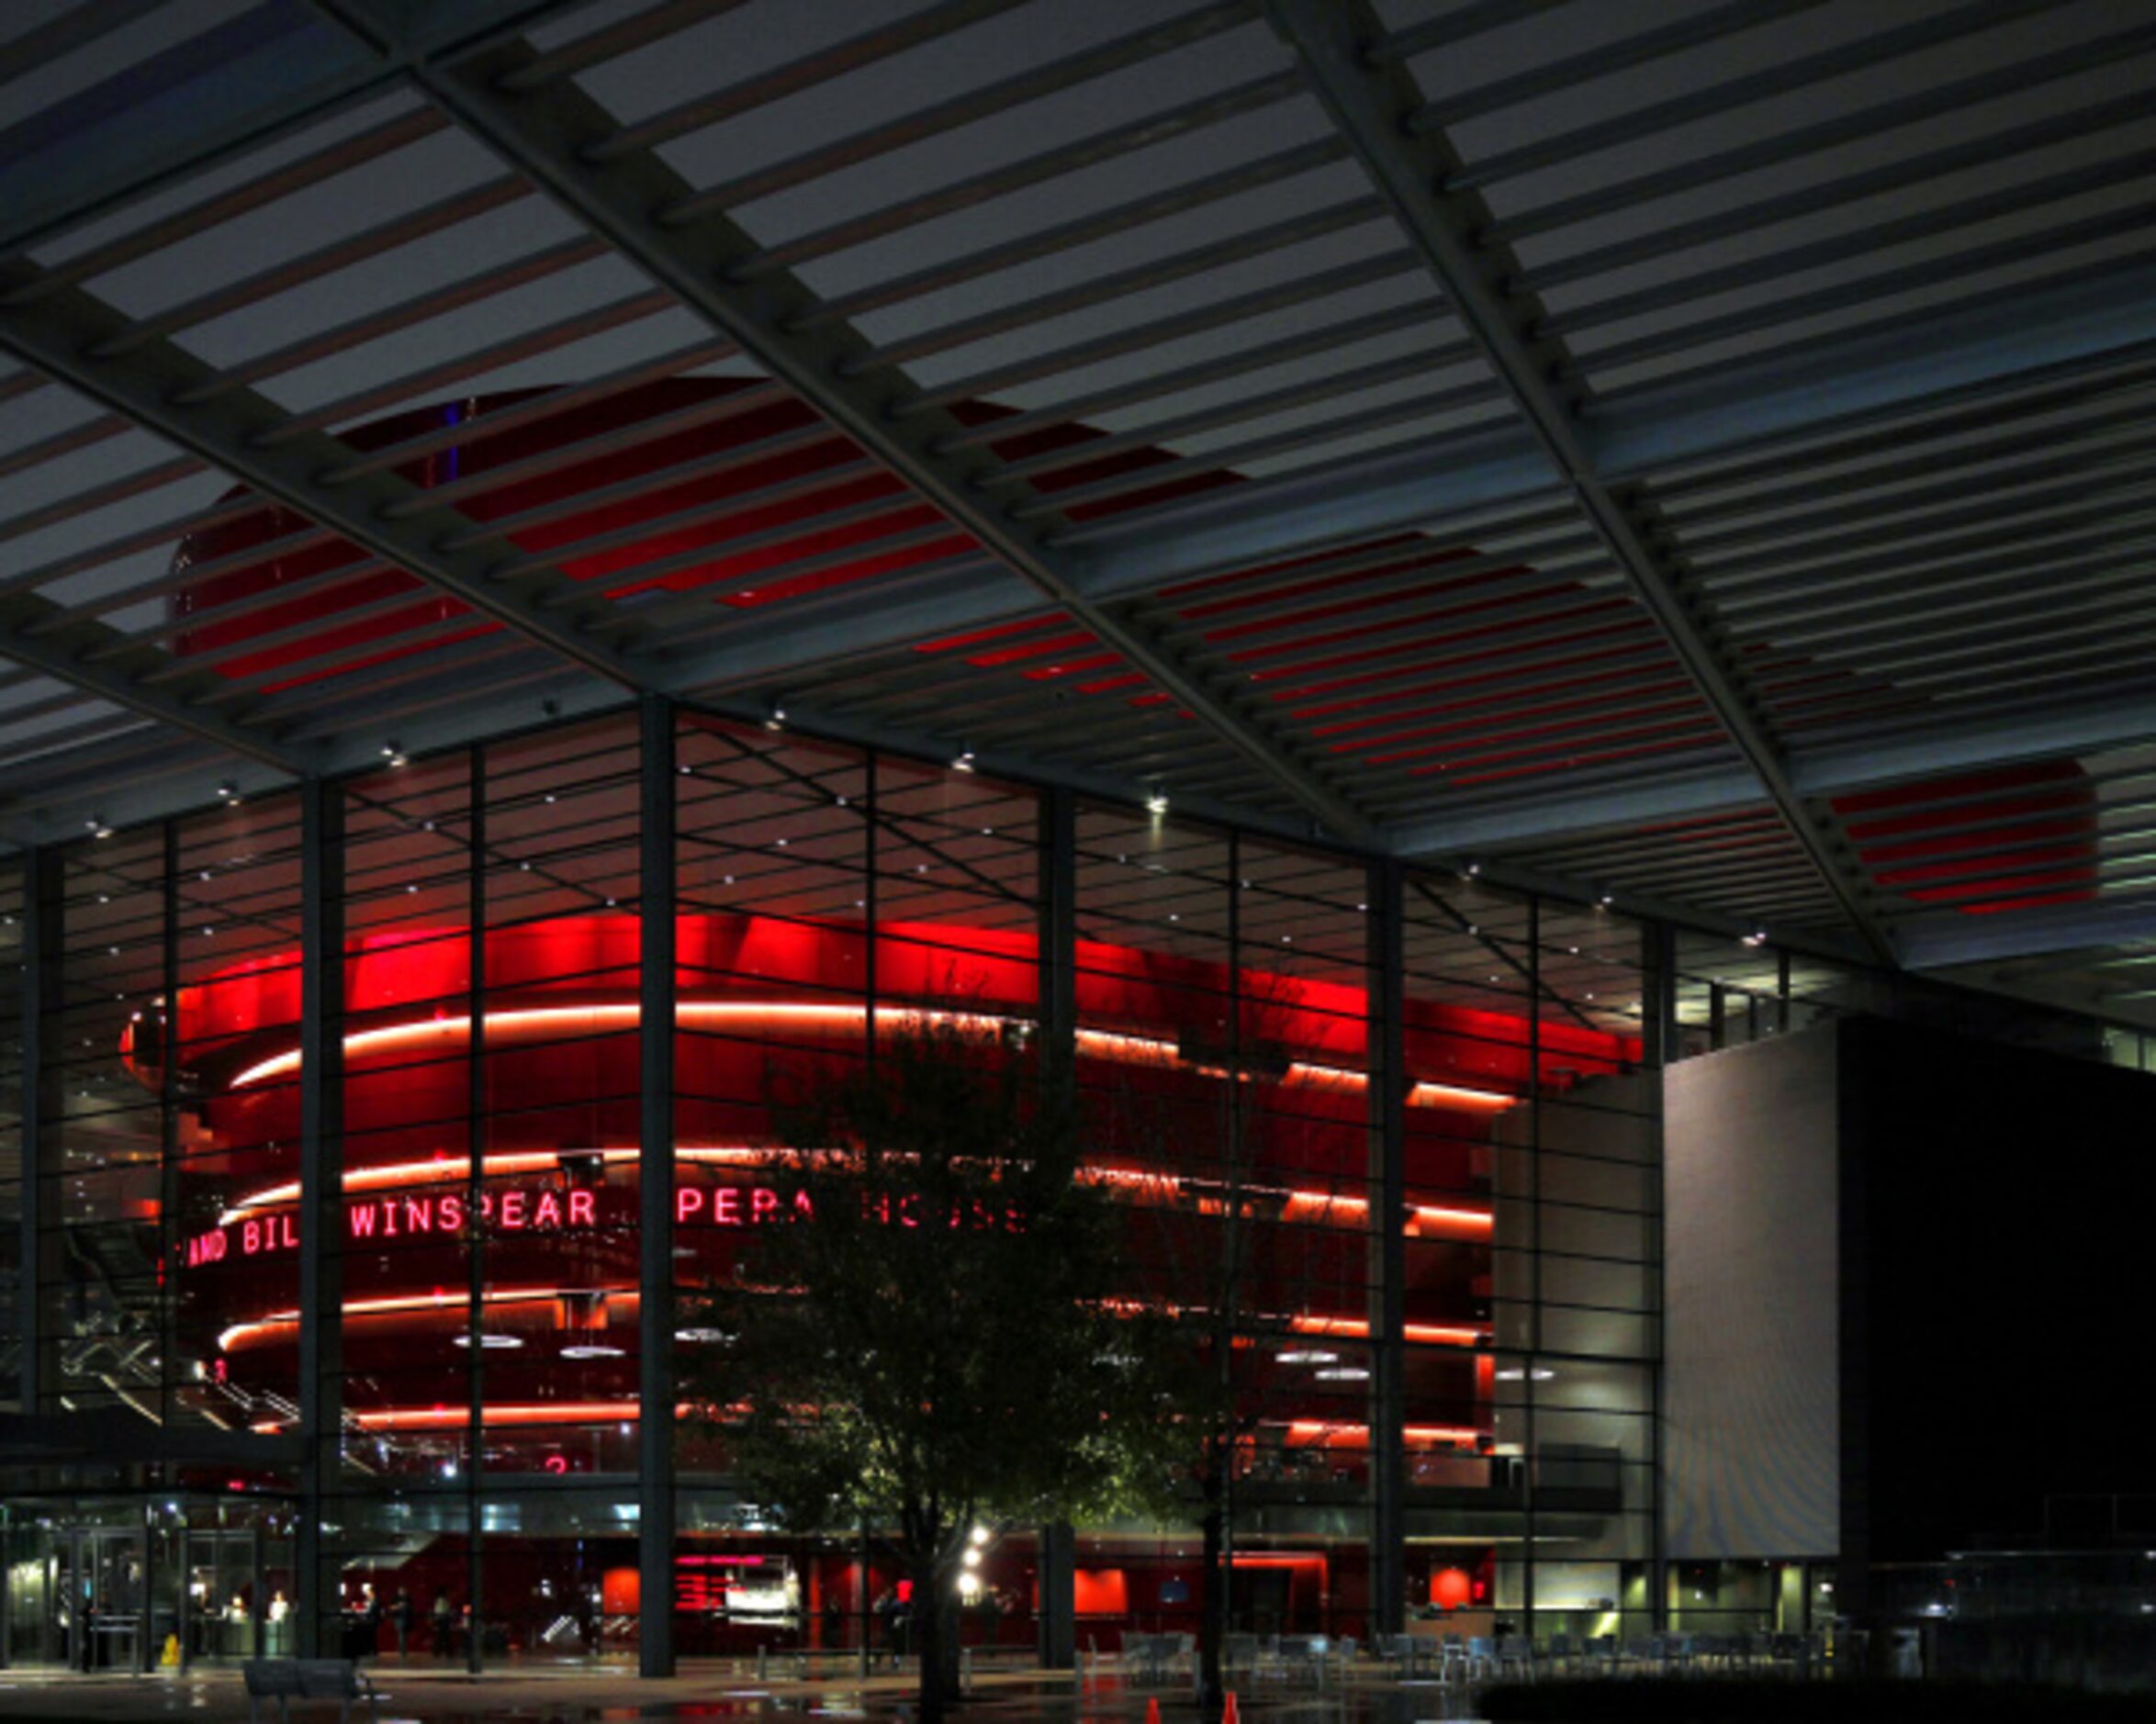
[557, 1199]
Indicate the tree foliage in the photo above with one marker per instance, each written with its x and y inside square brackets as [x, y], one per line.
[939, 1334]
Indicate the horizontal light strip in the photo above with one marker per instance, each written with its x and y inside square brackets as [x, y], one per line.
[1336, 1328]
[438, 1300]
[1325, 1433]
[1417, 1334]
[419, 1418]
[719, 1013]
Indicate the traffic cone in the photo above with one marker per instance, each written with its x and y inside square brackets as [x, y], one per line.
[1153, 1709]
[1229, 1715]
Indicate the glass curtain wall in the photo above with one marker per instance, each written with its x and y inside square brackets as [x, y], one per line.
[775, 859]
[147, 961]
[1533, 1165]
[1245, 1099]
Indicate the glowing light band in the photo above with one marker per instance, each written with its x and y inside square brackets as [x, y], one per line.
[1128, 1049]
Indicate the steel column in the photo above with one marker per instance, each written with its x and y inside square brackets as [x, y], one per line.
[1658, 1047]
[1058, 932]
[170, 1237]
[655, 1321]
[321, 1177]
[41, 921]
[1388, 1061]
[1057, 1620]
[1531, 1458]
[475, 1206]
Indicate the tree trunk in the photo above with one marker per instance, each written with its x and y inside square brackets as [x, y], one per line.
[1212, 1623]
[932, 1642]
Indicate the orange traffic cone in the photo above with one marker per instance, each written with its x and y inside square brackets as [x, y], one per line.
[1153, 1709]
[1229, 1715]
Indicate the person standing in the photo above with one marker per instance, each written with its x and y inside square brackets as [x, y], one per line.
[887, 1609]
[401, 1613]
[441, 1618]
[370, 1625]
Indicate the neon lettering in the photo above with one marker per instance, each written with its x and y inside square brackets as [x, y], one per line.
[519, 1210]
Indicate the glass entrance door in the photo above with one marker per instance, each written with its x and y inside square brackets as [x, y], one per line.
[33, 1628]
[223, 1588]
[99, 1592]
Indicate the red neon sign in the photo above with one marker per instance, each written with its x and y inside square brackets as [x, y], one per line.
[420, 1212]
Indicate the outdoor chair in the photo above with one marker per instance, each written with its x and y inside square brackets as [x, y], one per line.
[285, 1680]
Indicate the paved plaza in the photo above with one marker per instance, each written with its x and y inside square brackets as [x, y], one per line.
[575, 1696]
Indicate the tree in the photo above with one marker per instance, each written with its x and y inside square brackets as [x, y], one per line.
[937, 1334]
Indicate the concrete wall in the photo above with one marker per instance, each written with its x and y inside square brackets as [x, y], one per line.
[1750, 1408]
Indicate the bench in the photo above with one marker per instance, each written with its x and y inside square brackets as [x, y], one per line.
[285, 1680]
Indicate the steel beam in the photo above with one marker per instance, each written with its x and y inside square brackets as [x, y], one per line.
[2029, 934]
[2088, 728]
[551, 133]
[2104, 320]
[1534, 821]
[100, 660]
[70, 335]
[221, 93]
[1370, 105]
